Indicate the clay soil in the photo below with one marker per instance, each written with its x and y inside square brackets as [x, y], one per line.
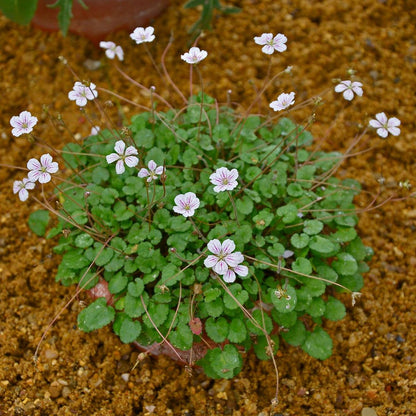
[373, 368]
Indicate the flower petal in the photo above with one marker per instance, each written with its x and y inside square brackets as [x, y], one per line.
[143, 172]
[112, 157]
[33, 175]
[348, 94]
[211, 261]
[395, 131]
[229, 276]
[382, 132]
[44, 177]
[119, 147]
[221, 267]
[23, 194]
[228, 246]
[33, 164]
[120, 167]
[215, 246]
[241, 270]
[152, 165]
[131, 150]
[131, 161]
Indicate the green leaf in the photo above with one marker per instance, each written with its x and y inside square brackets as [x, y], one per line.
[100, 175]
[322, 246]
[226, 363]
[38, 221]
[244, 205]
[285, 320]
[211, 294]
[296, 334]
[288, 213]
[318, 344]
[237, 331]
[95, 316]
[181, 337]
[263, 320]
[239, 293]
[261, 347]
[316, 308]
[129, 330]
[345, 264]
[263, 219]
[284, 300]
[302, 265]
[312, 227]
[158, 313]
[217, 329]
[136, 288]
[335, 309]
[20, 11]
[117, 283]
[72, 159]
[299, 240]
[64, 15]
[83, 240]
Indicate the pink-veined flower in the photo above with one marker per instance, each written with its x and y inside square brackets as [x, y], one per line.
[40, 170]
[385, 125]
[23, 123]
[186, 204]
[194, 55]
[21, 188]
[223, 261]
[152, 172]
[349, 88]
[122, 156]
[224, 179]
[82, 93]
[142, 34]
[112, 50]
[283, 101]
[271, 43]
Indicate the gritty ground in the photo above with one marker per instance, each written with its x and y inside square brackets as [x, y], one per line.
[373, 365]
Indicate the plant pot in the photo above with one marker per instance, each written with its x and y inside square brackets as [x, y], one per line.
[102, 16]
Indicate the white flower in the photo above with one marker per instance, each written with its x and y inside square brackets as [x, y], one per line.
[82, 93]
[283, 101]
[385, 125]
[21, 187]
[186, 204]
[224, 179]
[348, 88]
[271, 44]
[141, 34]
[194, 55]
[152, 173]
[223, 261]
[23, 123]
[95, 130]
[41, 170]
[122, 156]
[112, 50]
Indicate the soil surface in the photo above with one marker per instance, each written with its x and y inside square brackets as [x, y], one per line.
[373, 368]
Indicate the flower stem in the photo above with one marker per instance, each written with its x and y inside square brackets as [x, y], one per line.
[234, 207]
[197, 230]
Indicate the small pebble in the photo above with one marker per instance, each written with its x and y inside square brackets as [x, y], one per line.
[368, 411]
[125, 377]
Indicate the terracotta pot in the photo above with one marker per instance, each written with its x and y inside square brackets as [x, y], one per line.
[102, 16]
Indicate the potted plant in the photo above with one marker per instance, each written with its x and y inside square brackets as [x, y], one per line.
[202, 229]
